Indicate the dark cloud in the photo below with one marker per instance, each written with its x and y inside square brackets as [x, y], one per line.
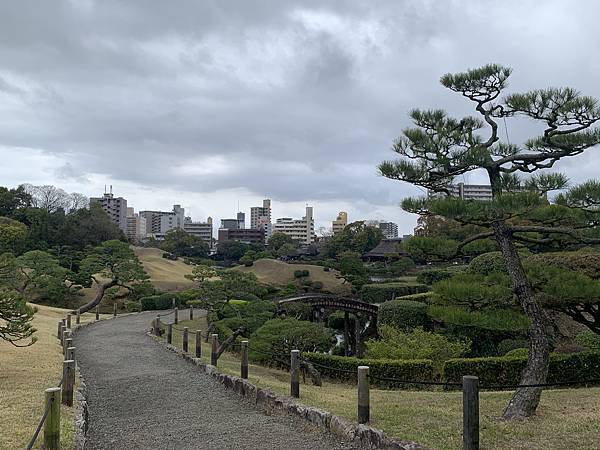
[295, 100]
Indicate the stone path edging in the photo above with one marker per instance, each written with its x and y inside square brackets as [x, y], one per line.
[269, 402]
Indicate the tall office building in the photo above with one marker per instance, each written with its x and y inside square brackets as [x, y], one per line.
[340, 223]
[159, 222]
[260, 216]
[301, 230]
[115, 207]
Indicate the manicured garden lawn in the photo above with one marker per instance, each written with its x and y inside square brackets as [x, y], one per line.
[566, 419]
[24, 375]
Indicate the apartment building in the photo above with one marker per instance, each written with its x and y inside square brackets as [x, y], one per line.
[203, 230]
[239, 223]
[159, 222]
[482, 192]
[260, 216]
[340, 223]
[389, 229]
[136, 226]
[301, 230]
[115, 207]
[245, 235]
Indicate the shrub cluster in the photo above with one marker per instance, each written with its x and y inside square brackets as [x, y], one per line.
[301, 273]
[383, 292]
[403, 314]
[416, 370]
[433, 276]
[507, 369]
[487, 263]
[162, 301]
[586, 263]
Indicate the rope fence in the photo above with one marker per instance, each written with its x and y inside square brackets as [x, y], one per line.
[470, 385]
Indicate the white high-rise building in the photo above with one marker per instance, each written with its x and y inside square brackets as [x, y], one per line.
[301, 230]
[260, 216]
[203, 230]
[136, 226]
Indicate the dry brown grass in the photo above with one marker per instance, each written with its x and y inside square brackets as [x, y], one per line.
[25, 374]
[278, 272]
[566, 419]
[164, 274]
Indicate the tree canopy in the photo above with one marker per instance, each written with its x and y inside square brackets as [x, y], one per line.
[355, 237]
[439, 148]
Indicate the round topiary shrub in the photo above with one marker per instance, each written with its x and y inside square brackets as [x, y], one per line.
[403, 314]
[510, 344]
[487, 263]
[518, 353]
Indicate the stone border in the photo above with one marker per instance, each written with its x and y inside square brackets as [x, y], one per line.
[269, 402]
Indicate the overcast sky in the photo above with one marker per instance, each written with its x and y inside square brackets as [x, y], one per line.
[207, 103]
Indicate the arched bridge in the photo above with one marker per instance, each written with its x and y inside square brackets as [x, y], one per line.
[331, 301]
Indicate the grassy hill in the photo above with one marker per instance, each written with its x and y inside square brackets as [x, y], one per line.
[164, 274]
[279, 272]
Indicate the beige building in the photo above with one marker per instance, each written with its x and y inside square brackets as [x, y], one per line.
[260, 216]
[203, 230]
[301, 230]
[340, 223]
[159, 222]
[136, 226]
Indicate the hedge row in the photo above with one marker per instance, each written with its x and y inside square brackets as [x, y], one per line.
[507, 369]
[382, 292]
[403, 314]
[162, 301]
[416, 370]
[501, 370]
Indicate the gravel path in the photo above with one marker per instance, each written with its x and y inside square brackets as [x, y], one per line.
[143, 396]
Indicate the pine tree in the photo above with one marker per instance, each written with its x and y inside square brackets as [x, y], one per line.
[440, 148]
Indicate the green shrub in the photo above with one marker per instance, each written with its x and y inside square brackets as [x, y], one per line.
[301, 273]
[487, 263]
[425, 297]
[584, 262]
[336, 321]
[382, 292]
[589, 340]
[416, 370]
[433, 276]
[493, 319]
[505, 370]
[165, 301]
[280, 336]
[317, 285]
[403, 314]
[474, 291]
[148, 303]
[133, 306]
[417, 344]
[507, 345]
[519, 352]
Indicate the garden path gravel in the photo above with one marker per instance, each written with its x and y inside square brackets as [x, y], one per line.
[142, 396]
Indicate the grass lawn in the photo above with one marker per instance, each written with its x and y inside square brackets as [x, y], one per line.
[279, 272]
[164, 274]
[566, 419]
[24, 375]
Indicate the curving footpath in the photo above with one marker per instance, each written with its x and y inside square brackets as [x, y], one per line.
[142, 396]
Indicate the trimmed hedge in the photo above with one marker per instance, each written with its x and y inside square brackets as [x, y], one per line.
[162, 301]
[417, 370]
[507, 369]
[403, 314]
[383, 292]
[585, 262]
[433, 276]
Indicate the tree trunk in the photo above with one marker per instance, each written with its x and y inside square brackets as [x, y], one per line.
[227, 342]
[102, 287]
[525, 400]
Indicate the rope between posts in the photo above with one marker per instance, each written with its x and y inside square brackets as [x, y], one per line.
[557, 383]
[40, 424]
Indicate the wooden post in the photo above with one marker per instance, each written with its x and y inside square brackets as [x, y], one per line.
[170, 333]
[198, 344]
[191, 312]
[185, 339]
[68, 343]
[214, 349]
[470, 413]
[78, 317]
[64, 331]
[70, 353]
[98, 312]
[363, 394]
[357, 343]
[115, 309]
[157, 326]
[69, 321]
[295, 373]
[59, 332]
[68, 382]
[176, 315]
[346, 333]
[52, 423]
[244, 366]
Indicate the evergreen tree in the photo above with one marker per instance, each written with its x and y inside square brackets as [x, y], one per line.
[440, 148]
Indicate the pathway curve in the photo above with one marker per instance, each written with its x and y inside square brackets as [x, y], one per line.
[142, 396]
